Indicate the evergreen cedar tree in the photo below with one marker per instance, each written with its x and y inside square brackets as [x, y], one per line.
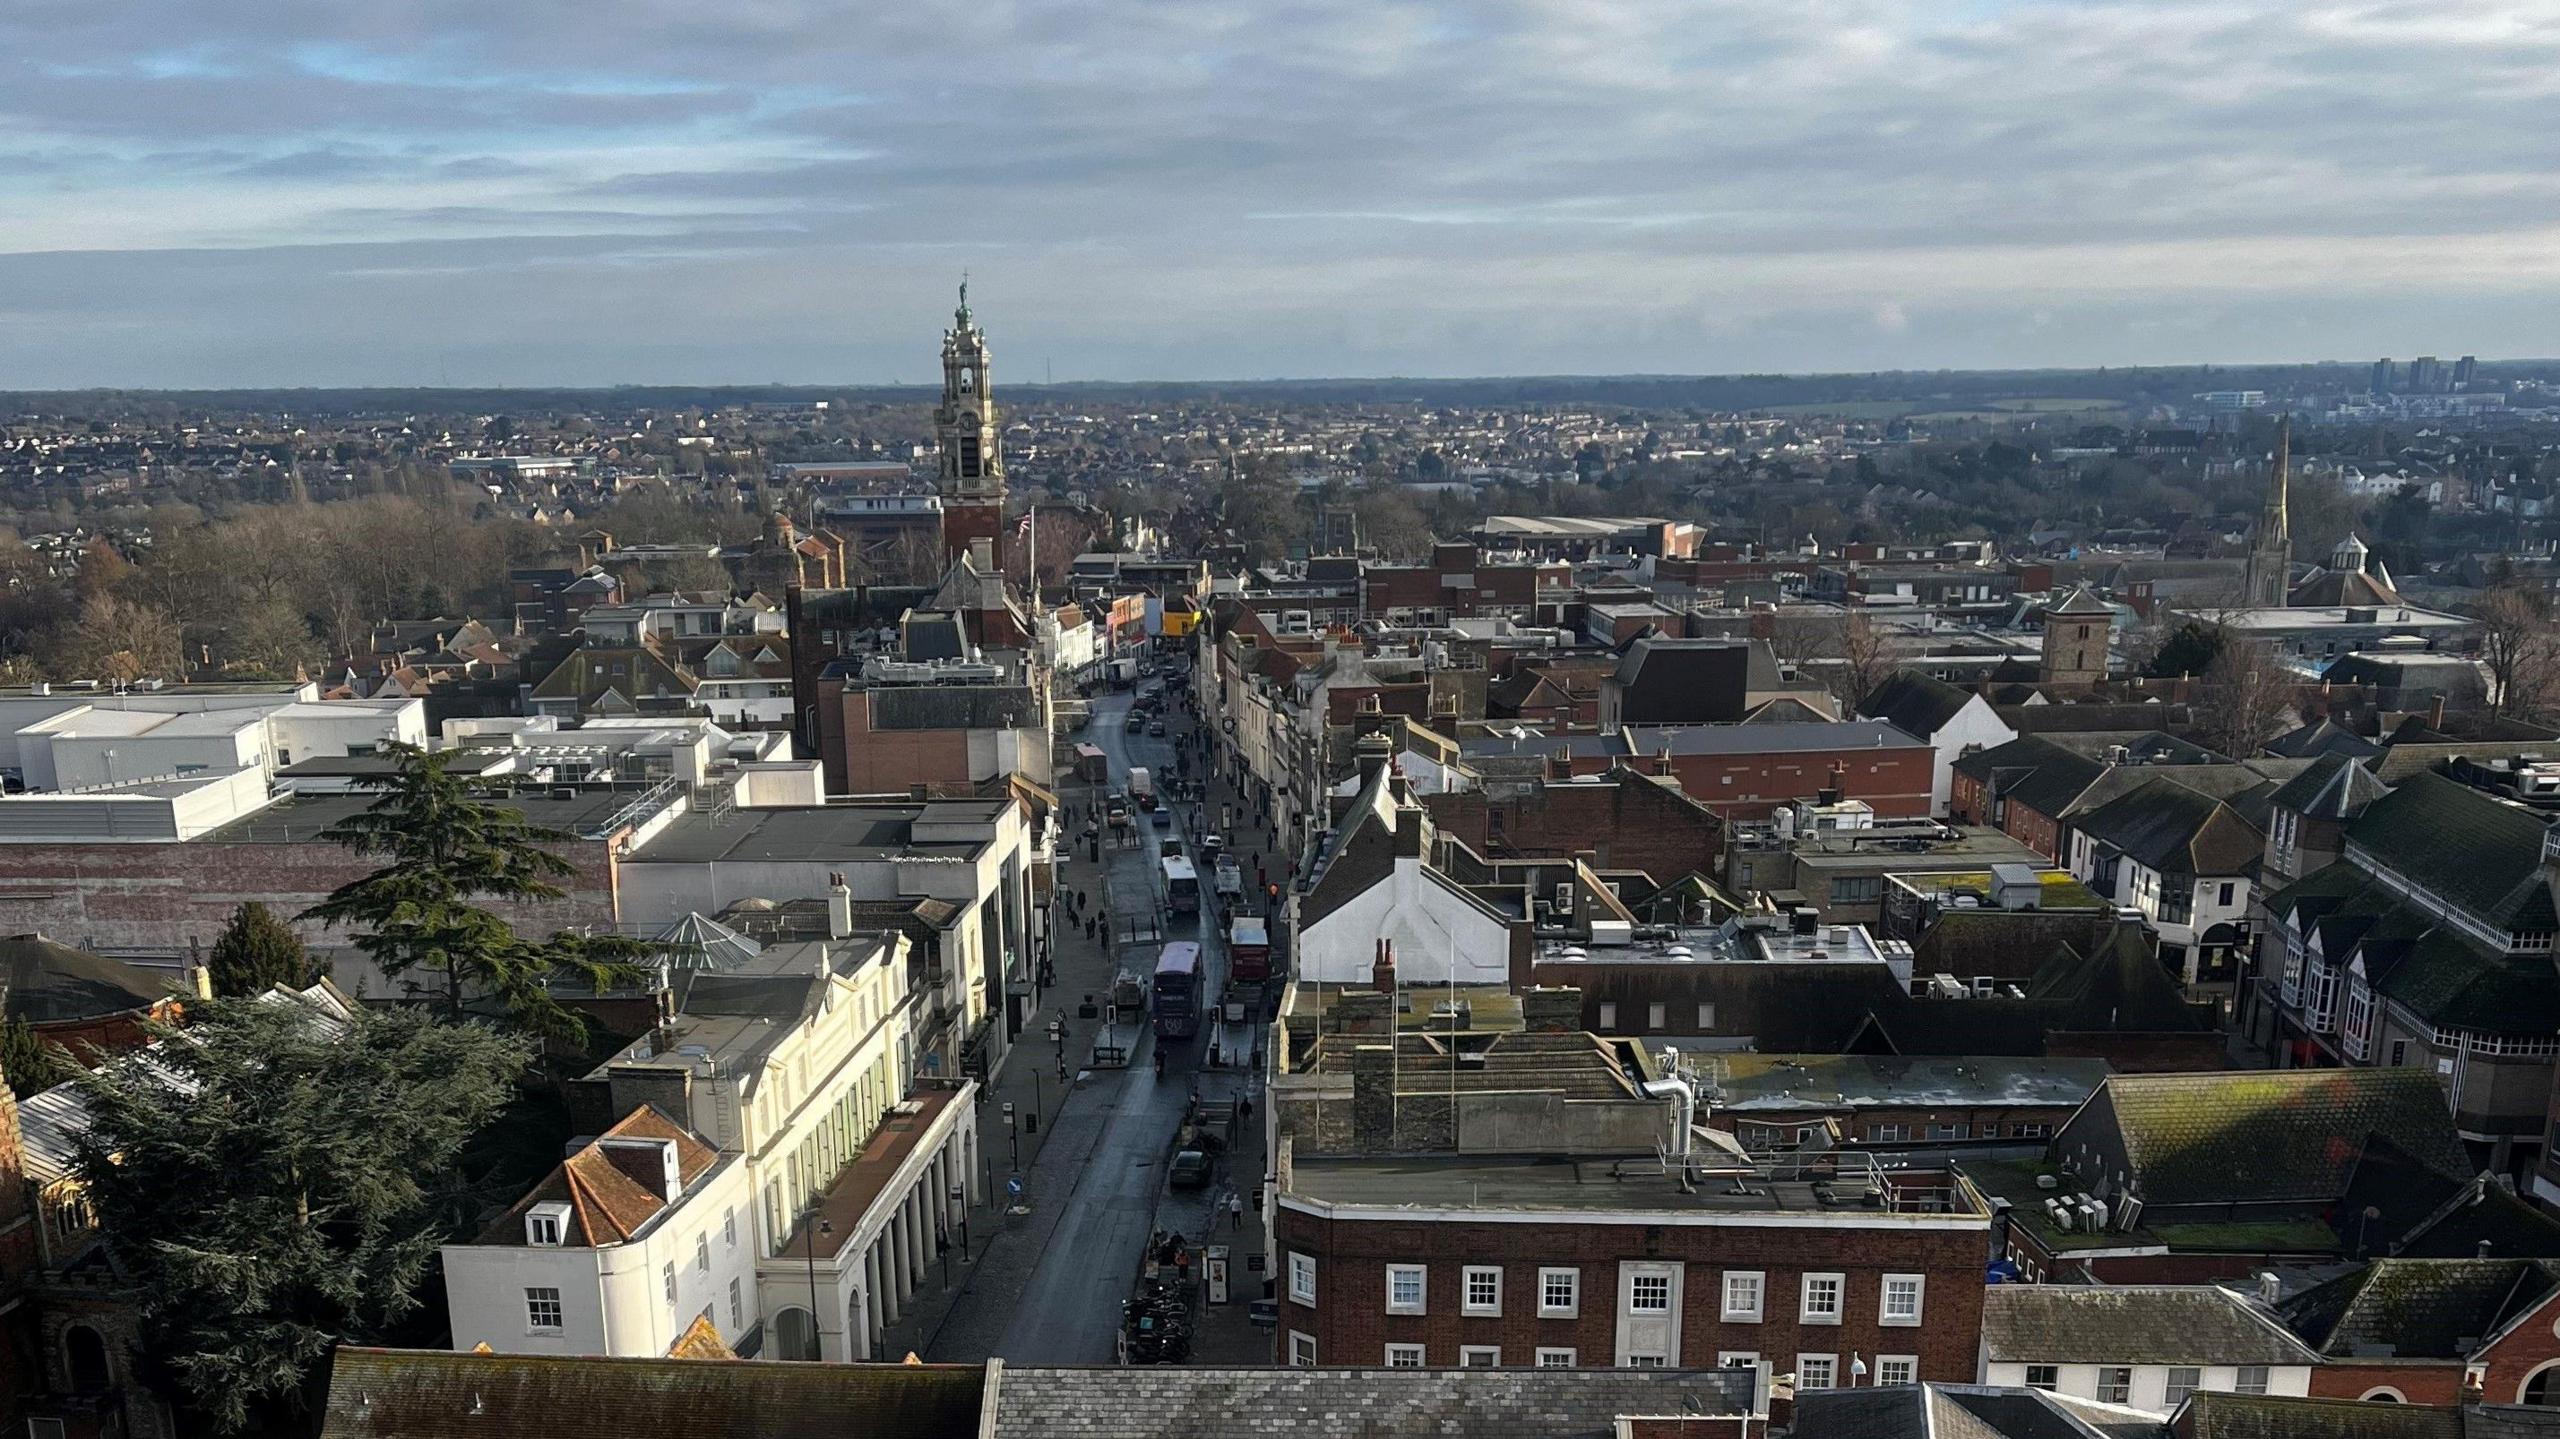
[271, 1183]
[256, 953]
[450, 842]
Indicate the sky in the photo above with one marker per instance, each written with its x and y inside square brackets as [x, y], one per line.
[561, 192]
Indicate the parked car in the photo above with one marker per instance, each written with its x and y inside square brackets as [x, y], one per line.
[1155, 730]
[1191, 1170]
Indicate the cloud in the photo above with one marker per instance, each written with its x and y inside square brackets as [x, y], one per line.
[1238, 188]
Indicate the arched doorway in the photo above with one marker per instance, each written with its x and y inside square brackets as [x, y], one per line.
[795, 1335]
[84, 1360]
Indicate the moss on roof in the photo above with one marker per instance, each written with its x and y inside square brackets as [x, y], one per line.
[2275, 1135]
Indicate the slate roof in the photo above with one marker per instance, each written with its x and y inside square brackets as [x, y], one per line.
[1963, 1411]
[2211, 1414]
[2323, 736]
[1916, 704]
[41, 981]
[2480, 854]
[2035, 772]
[2272, 1135]
[424, 1394]
[2335, 787]
[1163, 1402]
[2419, 1308]
[2176, 830]
[2131, 1324]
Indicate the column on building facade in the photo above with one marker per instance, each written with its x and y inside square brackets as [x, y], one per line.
[886, 1279]
[875, 1295]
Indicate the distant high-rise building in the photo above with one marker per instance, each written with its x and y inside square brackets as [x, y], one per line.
[2465, 370]
[2382, 376]
[2426, 375]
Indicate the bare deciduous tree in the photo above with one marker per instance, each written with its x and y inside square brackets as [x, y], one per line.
[2244, 699]
[2520, 644]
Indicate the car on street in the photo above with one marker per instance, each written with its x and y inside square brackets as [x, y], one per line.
[1155, 730]
[1190, 1170]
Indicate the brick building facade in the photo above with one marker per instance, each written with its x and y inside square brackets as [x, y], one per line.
[1626, 821]
[1798, 1290]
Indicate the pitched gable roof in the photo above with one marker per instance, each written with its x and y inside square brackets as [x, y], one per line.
[2272, 1135]
[1916, 704]
[2480, 854]
[2419, 1308]
[2176, 830]
[613, 1190]
[2335, 787]
[2132, 1324]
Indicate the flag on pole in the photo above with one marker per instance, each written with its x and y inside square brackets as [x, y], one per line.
[1022, 526]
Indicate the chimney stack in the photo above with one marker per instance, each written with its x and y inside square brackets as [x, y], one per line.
[1382, 969]
[839, 907]
[2435, 713]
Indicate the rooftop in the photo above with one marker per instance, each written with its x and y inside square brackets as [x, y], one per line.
[818, 833]
[586, 812]
[1746, 1081]
[1162, 1402]
[1630, 1187]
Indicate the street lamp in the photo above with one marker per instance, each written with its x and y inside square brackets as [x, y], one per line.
[817, 1325]
[1012, 1133]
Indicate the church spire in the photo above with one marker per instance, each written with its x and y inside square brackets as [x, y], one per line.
[2269, 575]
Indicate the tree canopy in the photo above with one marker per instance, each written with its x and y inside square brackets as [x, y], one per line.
[272, 1183]
[452, 843]
[256, 952]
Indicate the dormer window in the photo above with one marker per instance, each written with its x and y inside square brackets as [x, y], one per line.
[546, 1225]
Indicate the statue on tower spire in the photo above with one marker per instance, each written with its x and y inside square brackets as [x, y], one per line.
[962, 314]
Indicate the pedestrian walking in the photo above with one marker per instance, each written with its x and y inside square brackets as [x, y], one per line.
[1235, 1210]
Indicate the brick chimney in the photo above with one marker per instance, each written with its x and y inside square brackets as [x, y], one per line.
[1551, 1010]
[1373, 1097]
[1382, 969]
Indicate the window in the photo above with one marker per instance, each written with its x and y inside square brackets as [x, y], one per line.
[2225, 900]
[1657, 1016]
[1950, 1131]
[1649, 1294]
[2182, 1382]
[1608, 1015]
[1742, 1291]
[1483, 1292]
[1857, 889]
[667, 1277]
[2030, 1131]
[1302, 1350]
[1645, 1361]
[2252, 1379]
[1404, 1288]
[1559, 1293]
[1901, 1300]
[702, 1252]
[542, 1310]
[2399, 1053]
[1887, 1133]
[1479, 1356]
[1737, 1359]
[2115, 1384]
[2047, 1377]
[1897, 1369]
[1302, 1283]
[1404, 1356]
[1817, 1371]
[737, 1306]
[1706, 1016]
[729, 1227]
[542, 1229]
[1555, 1358]
[1821, 1298]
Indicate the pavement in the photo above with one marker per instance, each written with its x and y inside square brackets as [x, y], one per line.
[1043, 1276]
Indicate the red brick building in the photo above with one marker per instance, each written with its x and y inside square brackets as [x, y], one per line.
[1627, 820]
[1753, 771]
[1517, 1260]
[2488, 1328]
[1457, 584]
